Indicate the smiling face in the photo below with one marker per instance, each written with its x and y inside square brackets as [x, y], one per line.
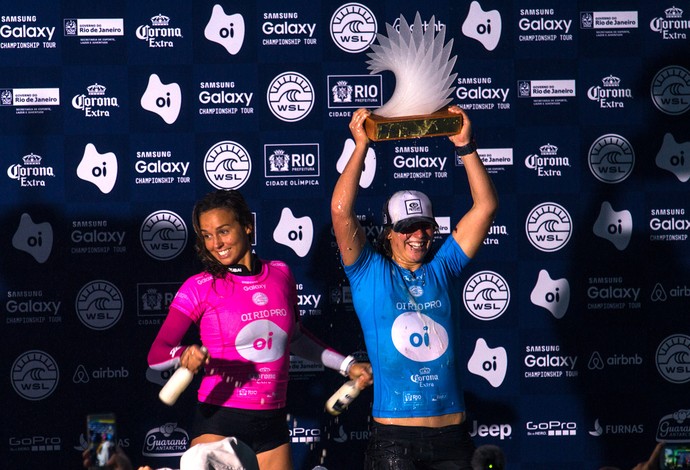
[410, 247]
[225, 238]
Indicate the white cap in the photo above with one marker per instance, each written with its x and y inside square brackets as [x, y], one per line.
[228, 453]
[406, 208]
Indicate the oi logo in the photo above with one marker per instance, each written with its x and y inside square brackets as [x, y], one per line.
[425, 346]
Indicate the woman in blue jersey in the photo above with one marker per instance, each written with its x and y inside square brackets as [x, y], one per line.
[408, 303]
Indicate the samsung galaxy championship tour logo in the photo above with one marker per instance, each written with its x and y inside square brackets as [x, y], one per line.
[353, 27]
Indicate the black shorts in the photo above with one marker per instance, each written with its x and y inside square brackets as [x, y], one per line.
[413, 448]
[262, 430]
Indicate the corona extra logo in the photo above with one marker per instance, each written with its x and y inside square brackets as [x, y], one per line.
[96, 90]
[160, 20]
[611, 81]
[32, 159]
[548, 149]
[673, 12]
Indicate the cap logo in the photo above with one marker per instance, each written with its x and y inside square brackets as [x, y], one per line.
[413, 206]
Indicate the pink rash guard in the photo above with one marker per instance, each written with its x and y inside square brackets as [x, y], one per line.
[247, 323]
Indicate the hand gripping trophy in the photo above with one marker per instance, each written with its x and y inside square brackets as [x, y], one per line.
[422, 67]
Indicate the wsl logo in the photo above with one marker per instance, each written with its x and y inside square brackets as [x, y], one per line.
[226, 30]
[673, 359]
[290, 96]
[295, 233]
[34, 239]
[674, 157]
[35, 375]
[616, 227]
[353, 27]
[162, 99]
[227, 165]
[261, 341]
[484, 26]
[99, 305]
[163, 235]
[611, 158]
[486, 295]
[551, 294]
[671, 90]
[549, 227]
[490, 363]
[98, 168]
[418, 337]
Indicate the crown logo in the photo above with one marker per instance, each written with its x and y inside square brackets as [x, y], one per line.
[342, 82]
[96, 89]
[279, 153]
[673, 12]
[70, 27]
[611, 81]
[424, 370]
[587, 20]
[6, 97]
[548, 149]
[32, 159]
[160, 20]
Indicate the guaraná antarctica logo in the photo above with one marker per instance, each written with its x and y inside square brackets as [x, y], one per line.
[227, 165]
[353, 27]
[673, 358]
[290, 96]
[611, 158]
[99, 305]
[35, 375]
[163, 235]
[486, 295]
[671, 90]
[549, 227]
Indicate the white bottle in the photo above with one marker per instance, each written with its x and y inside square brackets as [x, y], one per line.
[341, 399]
[177, 383]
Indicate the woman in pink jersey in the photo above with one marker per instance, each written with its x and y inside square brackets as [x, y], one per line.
[245, 308]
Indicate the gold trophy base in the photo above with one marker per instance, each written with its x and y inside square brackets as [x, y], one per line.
[412, 127]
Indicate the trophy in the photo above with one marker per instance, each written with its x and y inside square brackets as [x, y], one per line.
[422, 67]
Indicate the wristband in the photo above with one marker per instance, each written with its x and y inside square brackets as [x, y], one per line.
[466, 149]
[345, 365]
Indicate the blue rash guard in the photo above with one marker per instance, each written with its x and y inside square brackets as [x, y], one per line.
[411, 326]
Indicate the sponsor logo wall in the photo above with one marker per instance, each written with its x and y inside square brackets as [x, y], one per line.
[115, 117]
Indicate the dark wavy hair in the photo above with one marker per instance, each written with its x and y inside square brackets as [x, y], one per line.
[231, 200]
